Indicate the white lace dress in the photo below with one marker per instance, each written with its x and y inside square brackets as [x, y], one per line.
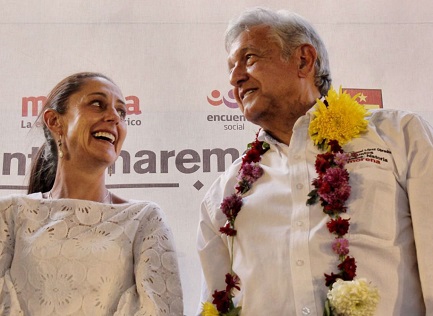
[73, 257]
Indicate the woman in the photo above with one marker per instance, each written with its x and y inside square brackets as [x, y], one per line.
[71, 247]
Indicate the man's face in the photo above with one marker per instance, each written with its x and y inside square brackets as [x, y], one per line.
[265, 85]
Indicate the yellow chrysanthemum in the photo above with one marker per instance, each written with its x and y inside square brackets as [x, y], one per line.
[342, 120]
[209, 309]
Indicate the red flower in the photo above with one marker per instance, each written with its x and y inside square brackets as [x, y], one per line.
[330, 279]
[348, 268]
[324, 188]
[317, 182]
[222, 301]
[323, 162]
[338, 226]
[228, 230]
[335, 208]
[232, 282]
[255, 151]
[252, 155]
[335, 146]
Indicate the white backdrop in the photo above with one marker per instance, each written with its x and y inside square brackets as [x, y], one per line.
[168, 57]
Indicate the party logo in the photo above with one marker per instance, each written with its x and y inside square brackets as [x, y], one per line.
[370, 98]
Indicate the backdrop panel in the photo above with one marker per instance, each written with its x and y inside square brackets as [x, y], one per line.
[168, 57]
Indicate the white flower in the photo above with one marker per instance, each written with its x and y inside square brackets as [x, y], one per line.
[56, 291]
[107, 287]
[102, 241]
[353, 298]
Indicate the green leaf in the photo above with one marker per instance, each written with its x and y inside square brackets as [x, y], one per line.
[322, 145]
[314, 197]
[327, 310]
[234, 312]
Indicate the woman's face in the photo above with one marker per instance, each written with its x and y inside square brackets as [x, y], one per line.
[94, 126]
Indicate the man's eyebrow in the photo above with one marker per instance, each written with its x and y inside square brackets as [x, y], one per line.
[239, 52]
[242, 51]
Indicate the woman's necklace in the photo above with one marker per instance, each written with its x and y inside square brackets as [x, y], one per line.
[108, 198]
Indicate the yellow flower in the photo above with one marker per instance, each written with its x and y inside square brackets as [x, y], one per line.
[342, 120]
[209, 310]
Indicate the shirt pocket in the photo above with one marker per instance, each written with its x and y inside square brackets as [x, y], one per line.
[375, 203]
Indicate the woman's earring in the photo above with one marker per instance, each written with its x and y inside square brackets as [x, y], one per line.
[59, 145]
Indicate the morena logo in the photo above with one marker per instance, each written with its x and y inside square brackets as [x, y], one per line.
[36, 104]
[31, 106]
[216, 99]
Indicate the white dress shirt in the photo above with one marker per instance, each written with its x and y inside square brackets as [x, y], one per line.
[283, 248]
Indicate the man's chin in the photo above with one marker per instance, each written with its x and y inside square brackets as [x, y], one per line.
[251, 117]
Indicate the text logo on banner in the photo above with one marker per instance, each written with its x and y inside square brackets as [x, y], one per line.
[31, 106]
[215, 99]
[230, 122]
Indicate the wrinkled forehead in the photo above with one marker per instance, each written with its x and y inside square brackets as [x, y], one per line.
[255, 38]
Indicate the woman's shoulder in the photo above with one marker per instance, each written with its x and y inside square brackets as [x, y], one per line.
[143, 206]
[14, 201]
[20, 197]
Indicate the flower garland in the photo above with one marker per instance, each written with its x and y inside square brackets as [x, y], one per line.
[249, 172]
[339, 119]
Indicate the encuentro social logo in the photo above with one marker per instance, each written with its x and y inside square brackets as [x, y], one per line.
[216, 98]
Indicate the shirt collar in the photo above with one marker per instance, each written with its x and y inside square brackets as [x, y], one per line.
[304, 119]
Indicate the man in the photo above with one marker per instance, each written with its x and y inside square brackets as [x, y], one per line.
[281, 249]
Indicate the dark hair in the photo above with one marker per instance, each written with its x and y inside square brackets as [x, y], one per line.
[44, 165]
[290, 30]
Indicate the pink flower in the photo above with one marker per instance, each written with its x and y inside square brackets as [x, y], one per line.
[333, 189]
[340, 246]
[335, 198]
[231, 205]
[250, 172]
[341, 158]
[336, 176]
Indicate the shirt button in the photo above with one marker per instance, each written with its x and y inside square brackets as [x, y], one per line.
[306, 311]
[299, 186]
[299, 223]
[299, 262]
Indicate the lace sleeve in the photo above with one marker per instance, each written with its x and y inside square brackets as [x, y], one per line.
[7, 238]
[156, 268]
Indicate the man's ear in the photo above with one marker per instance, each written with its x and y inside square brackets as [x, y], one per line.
[53, 121]
[306, 57]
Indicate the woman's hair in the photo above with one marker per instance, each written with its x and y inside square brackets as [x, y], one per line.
[290, 31]
[44, 165]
